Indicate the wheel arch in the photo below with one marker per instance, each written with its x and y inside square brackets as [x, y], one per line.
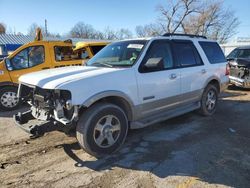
[214, 81]
[115, 97]
[8, 84]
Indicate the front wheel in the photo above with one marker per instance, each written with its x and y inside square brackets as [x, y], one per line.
[209, 100]
[102, 129]
[8, 98]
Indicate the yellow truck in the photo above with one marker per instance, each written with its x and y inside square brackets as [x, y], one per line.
[40, 55]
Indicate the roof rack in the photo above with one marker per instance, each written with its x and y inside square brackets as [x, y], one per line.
[186, 35]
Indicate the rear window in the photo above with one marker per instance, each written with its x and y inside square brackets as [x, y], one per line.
[213, 52]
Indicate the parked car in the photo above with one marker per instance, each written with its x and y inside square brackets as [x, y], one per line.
[128, 84]
[35, 56]
[239, 62]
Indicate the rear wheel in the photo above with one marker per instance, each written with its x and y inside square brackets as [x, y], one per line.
[102, 129]
[8, 98]
[209, 100]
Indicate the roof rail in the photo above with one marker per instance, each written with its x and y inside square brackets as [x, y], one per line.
[186, 35]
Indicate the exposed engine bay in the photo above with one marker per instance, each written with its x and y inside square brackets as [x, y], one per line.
[49, 104]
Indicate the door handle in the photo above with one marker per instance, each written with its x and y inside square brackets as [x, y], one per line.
[173, 76]
[203, 71]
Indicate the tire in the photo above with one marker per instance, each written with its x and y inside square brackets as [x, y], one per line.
[8, 98]
[209, 100]
[97, 125]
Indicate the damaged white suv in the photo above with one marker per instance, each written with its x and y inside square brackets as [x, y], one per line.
[128, 85]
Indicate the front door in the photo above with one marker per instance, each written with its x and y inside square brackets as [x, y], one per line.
[158, 89]
[28, 60]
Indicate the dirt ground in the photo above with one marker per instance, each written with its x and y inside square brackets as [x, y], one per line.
[188, 151]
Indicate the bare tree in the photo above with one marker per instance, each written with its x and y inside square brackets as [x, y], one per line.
[82, 30]
[207, 17]
[175, 13]
[149, 30]
[2, 28]
[212, 21]
[124, 34]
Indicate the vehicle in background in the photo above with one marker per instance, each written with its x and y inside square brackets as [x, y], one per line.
[128, 84]
[86, 50]
[239, 65]
[7, 49]
[35, 56]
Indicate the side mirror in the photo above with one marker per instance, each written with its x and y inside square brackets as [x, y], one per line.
[154, 64]
[8, 64]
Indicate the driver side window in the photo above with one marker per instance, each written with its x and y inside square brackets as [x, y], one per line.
[29, 57]
[159, 49]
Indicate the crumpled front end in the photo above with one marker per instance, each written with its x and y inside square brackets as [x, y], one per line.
[240, 73]
[46, 105]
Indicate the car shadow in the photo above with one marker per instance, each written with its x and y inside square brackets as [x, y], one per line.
[236, 88]
[189, 145]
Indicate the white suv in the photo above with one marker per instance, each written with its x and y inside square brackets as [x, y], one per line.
[128, 85]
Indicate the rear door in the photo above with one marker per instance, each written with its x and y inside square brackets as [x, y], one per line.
[192, 70]
[158, 89]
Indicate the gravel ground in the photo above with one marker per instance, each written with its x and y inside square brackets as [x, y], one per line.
[188, 151]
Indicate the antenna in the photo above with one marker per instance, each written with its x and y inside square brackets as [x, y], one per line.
[46, 31]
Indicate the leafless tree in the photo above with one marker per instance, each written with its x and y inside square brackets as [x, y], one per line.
[175, 13]
[212, 21]
[2, 28]
[124, 34]
[149, 30]
[87, 31]
[207, 17]
[82, 30]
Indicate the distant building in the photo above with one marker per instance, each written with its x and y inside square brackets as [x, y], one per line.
[23, 39]
[240, 41]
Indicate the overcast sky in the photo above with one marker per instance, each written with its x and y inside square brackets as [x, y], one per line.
[61, 15]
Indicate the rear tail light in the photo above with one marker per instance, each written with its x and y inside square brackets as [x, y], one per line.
[227, 70]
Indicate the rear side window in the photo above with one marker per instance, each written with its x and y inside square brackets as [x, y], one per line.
[213, 52]
[63, 53]
[186, 54]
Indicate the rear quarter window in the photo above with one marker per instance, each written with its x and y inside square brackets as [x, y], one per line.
[213, 52]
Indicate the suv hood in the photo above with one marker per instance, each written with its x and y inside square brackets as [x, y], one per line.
[54, 78]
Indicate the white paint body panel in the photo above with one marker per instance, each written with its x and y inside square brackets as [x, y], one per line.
[85, 82]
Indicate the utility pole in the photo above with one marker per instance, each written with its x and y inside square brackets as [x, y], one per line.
[46, 31]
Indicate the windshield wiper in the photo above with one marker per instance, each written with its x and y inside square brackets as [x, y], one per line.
[101, 63]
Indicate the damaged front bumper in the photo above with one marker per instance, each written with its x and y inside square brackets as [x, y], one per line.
[244, 83]
[22, 120]
[29, 122]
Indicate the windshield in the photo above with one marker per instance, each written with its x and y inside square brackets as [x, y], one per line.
[123, 53]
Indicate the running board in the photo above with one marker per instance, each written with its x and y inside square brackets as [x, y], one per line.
[164, 116]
